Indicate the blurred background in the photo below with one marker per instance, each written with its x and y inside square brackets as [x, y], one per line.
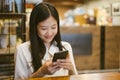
[95, 26]
[92, 27]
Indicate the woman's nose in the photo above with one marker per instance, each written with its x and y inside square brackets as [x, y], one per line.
[49, 32]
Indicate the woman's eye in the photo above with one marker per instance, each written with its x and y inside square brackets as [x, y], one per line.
[53, 27]
[43, 28]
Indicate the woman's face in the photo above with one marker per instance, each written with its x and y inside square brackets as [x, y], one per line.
[47, 29]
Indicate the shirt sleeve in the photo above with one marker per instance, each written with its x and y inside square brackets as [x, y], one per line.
[69, 48]
[21, 68]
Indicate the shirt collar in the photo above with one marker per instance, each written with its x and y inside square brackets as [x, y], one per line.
[53, 48]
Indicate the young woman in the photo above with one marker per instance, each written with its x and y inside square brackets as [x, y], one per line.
[34, 58]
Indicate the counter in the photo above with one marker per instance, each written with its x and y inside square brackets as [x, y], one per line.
[93, 76]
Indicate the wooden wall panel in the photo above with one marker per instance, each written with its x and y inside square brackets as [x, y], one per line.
[112, 48]
[92, 61]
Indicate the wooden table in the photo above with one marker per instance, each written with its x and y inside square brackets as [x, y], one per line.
[97, 76]
[91, 76]
[53, 78]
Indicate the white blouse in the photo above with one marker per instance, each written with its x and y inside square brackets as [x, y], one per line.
[23, 60]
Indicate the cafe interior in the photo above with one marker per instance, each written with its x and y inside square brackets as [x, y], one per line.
[92, 27]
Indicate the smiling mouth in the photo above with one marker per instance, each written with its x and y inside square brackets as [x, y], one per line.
[48, 37]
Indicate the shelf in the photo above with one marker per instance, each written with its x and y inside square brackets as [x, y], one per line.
[14, 34]
[12, 29]
[12, 15]
[6, 77]
[7, 51]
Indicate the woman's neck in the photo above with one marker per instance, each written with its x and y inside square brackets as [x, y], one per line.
[47, 45]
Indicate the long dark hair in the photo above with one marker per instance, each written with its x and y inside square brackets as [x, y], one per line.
[40, 13]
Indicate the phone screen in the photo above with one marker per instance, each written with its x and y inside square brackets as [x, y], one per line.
[60, 55]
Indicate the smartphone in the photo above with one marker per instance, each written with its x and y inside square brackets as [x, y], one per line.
[60, 55]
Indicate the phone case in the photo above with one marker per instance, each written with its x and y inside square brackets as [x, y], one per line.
[60, 55]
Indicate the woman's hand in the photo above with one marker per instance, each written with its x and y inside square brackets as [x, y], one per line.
[50, 67]
[66, 64]
[46, 69]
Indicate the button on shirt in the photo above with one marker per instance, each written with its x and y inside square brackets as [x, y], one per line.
[23, 60]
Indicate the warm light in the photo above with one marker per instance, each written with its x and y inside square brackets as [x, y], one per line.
[85, 16]
[75, 0]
